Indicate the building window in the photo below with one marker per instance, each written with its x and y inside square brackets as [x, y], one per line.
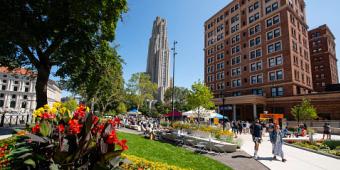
[220, 37]
[235, 39]
[255, 29]
[275, 61]
[258, 92]
[3, 87]
[16, 82]
[256, 66]
[254, 18]
[256, 79]
[236, 83]
[255, 54]
[25, 96]
[2, 95]
[274, 47]
[220, 56]
[272, 7]
[12, 104]
[4, 81]
[236, 71]
[276, 75]
[219, 28]
[255, 42]
[1, 103]
[273, 21]
[235, 28]
[253, 7]
[15, 88]
[14, 96]
[220, 66]
[23, 105]
[277, 91]
[236, 60]
[26, 89]
[235, 18]
[236, 93]
[235, 49]
[273, 34]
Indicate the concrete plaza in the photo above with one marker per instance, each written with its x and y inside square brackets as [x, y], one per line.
[296, 158]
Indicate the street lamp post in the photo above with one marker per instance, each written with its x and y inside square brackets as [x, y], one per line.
[223, 109]
[173, 80]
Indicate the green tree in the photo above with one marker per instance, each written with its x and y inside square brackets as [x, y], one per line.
[102, 83]
[140, 88]
[121, 108]
[71, 104]
[59, 33]
[304, 111]
[180, 98]
[200, 96]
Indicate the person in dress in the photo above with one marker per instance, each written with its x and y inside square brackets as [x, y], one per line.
[276, 139]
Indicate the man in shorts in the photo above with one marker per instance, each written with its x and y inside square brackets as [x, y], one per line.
[256, 132]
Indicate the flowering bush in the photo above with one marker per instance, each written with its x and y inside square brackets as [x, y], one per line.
[141, 164]
[68, 140]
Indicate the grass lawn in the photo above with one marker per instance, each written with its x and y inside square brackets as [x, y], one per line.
[167, 153]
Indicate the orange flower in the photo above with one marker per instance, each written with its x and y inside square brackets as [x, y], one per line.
[36, 128]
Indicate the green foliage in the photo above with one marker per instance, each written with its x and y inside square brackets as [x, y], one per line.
[121, 108]
[332, 144]
[55, 33]
[180, 98]
[45, 128]
[169, 154]
[139, 89]
[71, 104]
[200, 95]
[304, 111]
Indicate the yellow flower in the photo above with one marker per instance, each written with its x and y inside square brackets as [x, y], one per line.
[57, 105]
[21, 133]
[87, 109]
[53, 110]
[46, 107]
[38, 112]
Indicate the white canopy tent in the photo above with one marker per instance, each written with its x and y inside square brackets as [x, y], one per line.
[203, 113]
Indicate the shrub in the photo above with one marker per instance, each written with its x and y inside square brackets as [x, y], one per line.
[332, 144]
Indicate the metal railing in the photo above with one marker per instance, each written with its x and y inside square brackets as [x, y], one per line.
[7, 119]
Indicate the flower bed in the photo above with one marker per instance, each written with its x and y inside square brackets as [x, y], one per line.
[141, 163]
[65, 140]
[324, 147]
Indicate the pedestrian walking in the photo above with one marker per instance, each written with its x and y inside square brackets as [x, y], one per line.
[326, 131]
[256, 132]
[276, 139]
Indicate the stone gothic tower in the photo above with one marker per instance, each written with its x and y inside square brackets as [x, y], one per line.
[159, 57]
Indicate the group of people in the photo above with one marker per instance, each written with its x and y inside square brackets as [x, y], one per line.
[275, 135]
[239, 127]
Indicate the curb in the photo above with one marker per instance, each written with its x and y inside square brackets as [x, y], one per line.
[314, 151]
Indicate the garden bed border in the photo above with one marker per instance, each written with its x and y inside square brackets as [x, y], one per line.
[314, 151]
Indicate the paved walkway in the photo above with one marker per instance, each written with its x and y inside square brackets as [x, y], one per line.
[296, 158]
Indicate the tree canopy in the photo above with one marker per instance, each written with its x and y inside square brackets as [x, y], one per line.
[60, 33]
[180, 98]
[139, 89]
[304, 111]
[200, 96]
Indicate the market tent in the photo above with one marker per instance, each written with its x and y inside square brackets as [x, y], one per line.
[175, 114]
[217, 115]
[204, 113]
[133, 112]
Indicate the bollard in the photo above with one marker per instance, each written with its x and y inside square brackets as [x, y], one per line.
[2, 120]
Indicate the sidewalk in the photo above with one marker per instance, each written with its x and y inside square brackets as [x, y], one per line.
[296, 158]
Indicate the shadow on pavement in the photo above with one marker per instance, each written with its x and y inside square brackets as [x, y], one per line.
[266, 159]
[242, 156]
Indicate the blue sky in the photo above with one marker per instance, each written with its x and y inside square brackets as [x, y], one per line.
[185, 24]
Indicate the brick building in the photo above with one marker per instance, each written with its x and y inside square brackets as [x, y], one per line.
[323, 57]
[257, 55]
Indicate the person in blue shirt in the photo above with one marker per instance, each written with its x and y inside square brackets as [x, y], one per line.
[256, 132]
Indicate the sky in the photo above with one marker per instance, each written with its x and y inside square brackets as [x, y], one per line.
[185, 20]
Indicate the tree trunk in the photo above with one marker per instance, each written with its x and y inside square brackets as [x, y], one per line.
[41, 85]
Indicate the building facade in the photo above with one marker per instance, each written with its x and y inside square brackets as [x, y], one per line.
[257, 56]
[323, 57]
[17, 93]
[159, 57]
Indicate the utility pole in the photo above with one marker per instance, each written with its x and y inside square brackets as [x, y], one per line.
[173, 80]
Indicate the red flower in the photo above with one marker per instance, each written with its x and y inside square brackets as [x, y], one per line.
[117, 120]
[74, 126]
[36, 128]
[112, 138]
[112, 122]
[123, 145]
[98, 129]
[46, 115]
[61, 128]
[80, 112]
[95, 120]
